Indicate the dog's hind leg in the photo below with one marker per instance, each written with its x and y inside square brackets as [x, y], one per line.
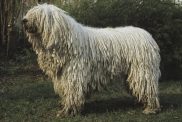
[143, 84]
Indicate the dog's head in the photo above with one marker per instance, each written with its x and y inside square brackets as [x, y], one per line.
[42, 18]
[48, 21]
[31, 20]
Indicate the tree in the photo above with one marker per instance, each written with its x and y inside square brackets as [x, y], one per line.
[9, 12]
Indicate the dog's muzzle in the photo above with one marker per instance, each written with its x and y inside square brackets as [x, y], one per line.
[24, 20]
[27, 27]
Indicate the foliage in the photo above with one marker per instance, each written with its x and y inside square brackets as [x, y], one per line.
[23, 62]
[9, 12]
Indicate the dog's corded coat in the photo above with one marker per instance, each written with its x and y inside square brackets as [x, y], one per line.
[80, 59]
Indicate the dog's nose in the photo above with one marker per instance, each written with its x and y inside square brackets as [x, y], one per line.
[24, 20]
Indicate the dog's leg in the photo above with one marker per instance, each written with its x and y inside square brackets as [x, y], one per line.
[72, 93]
[144, 85]
[72, 102]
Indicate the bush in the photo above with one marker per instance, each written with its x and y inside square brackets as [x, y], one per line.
[162, 18]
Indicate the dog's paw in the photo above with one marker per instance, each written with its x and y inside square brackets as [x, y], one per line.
[151, 111]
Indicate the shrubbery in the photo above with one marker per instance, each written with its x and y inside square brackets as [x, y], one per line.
[162, 18]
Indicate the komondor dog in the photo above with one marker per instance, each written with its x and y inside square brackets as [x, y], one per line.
[81, 59]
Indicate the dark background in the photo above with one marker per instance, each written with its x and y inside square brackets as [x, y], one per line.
[162, 18]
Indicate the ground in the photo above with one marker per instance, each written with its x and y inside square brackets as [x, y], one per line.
[31, 98]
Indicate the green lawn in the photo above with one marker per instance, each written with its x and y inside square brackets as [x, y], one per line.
[31, 98]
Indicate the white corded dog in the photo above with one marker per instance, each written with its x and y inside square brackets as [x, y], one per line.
[81, 59]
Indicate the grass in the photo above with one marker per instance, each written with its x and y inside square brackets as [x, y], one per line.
[31, 98]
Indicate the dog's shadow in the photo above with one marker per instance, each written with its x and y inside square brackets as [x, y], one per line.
[110, 105]
[170, 101]
[167, 101]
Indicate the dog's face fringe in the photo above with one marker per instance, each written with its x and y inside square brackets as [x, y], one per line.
[33, 21]
[43, 22]
[30, 22]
